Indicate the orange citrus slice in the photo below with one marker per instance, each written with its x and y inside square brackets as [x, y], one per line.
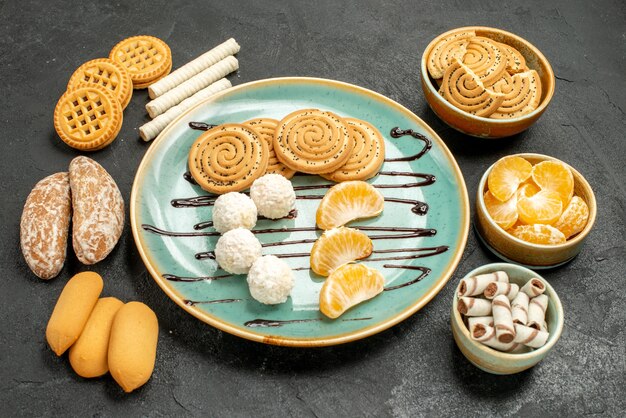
[555, 176]
[506, 176]
[348, 201]
[348, 286]
[544, 207]
[527, 189]
[503, 213]
[337, 247]
[539, 234]
[574, 217]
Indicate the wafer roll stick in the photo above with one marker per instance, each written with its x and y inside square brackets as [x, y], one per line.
[188, 88]
[519, 308]
[474, 306]
[533, 288]
[505, 332]
[474, 320]
[487, 335]
[151, 129]
[476, 285]
[537, 311]
[184, 73]
[530, 337]
[518, 348]
[494, 289]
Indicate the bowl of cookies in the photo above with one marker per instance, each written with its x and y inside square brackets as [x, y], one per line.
[486, 82]
[534, 210]
[505, 318]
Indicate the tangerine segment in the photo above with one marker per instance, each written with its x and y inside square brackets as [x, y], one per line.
[503, 213]
[527, 189]
[539, 234]
[348, 286]
[555, 176]
[574, 217]
[544, 207]
[337, 247]
[348, 201]
[506, 176]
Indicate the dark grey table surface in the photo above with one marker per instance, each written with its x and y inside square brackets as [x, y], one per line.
[411, 369]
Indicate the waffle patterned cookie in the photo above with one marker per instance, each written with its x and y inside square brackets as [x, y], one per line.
[146, 58]
[88, 117]
[106, 73]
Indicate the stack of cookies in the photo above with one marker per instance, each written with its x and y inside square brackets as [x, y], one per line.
[231, 156]
[89, 115]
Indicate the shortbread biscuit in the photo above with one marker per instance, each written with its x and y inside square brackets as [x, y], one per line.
[313, 141]
[44, 226]
[446, 50]
[464, 90]
[521, 96]
[107, 73]
[145, 57]
[267, 128]
[228, 158]
[515, 61]
[145, 85]
[88, 117]
[485, 58]
[367, 156]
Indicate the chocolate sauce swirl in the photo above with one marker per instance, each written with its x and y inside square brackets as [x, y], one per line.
[397, 133]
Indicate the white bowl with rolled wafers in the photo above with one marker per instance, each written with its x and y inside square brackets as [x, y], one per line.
[477, 108]
[493, 360]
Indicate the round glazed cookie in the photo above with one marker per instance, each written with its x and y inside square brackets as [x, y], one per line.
[267, 128]
[313, 141]
[145, 57]
[88, 117]
[228, 158]
[107, 73]
[367, 156]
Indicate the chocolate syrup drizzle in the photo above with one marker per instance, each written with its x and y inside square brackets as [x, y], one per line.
[275, 323]
[293, 214]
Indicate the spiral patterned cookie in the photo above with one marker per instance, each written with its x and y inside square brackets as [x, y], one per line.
[446, 50]
[107, 73]
[313, 141]
[464, 90]
[228, 158]
[367, 156]
[266, 128]
[515, 61]
[485, 59]
[521, 96]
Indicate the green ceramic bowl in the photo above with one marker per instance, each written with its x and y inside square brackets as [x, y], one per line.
[494, 361]
[198, 285]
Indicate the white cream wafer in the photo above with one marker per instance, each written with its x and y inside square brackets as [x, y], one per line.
[188, 88]
[184, 73]
[151, 129]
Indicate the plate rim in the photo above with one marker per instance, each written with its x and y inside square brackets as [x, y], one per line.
[291, 341]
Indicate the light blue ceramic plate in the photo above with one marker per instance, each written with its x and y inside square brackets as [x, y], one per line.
[225, 302]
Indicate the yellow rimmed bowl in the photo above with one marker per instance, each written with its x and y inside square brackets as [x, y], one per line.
[536, 256]
[485, 127]
[494, 361]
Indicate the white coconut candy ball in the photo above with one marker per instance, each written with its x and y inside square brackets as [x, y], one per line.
[270, 280]
[273, 196]
[233, 210]
[236, 250]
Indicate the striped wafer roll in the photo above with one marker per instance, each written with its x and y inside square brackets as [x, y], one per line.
[446, 50]
[530, 337]
[505, 332]
[464, 90]
[485, 59]
[191, 86]
[184, 73]
[518, 348]
[151, 129]
[519, 308]
[474, 320]
[487, 335]
[472, 286]
[533, 288]
[537, 311]
[494, 289]
[474, 306]
[522, 95]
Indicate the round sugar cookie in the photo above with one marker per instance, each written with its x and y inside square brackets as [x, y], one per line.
[485, 58]
[266, 128]
[521, 96]
[313, 141]
[446, 50]
[107, 73]
[88, 117]
[367, 156]
[228, 158]
[145, 57]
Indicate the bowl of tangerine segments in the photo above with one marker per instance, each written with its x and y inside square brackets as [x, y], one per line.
[534, 210]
